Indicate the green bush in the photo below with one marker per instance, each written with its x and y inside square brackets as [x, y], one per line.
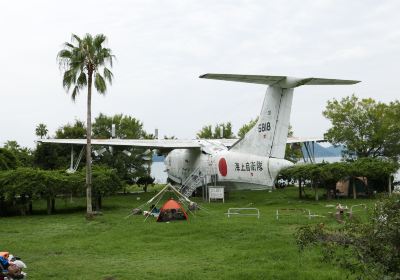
[327, 174]
[7, 159]
[370, 250]
[23, 185]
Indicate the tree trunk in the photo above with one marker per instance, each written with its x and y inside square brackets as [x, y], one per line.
[354, 188]
[89, 209]
[2, 206]
[315, 190]
[49, 208]
[98, 202]
[23, 205]
[30, 207]
[53, 205]
[300, 191]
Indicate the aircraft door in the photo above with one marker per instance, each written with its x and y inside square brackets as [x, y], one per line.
[211, 170]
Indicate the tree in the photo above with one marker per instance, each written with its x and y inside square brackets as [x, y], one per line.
[12, 145]
[326, 175]
[7, 159]
[74, 131]
[126, 127]
[83, 60]
[41, 130]
[50, 156]
[23, 185]
[247, 127]
[130, 163]
[46, 156]
[207, 131]
[365, 127]
[23, 155]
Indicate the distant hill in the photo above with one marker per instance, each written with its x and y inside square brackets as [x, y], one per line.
[330, 151]
[158, 158]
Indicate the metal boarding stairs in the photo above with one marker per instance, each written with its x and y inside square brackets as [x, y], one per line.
[194, 180]
[200, 176]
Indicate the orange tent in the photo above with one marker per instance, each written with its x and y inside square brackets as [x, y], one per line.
[171, 211]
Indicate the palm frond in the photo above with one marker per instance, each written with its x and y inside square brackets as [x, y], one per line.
[69, 78]
[64, 54]
[87, 47]
[82, 56]
[76, 38]
[99, 39]
[63, 57]
[108, 75]
[69, 45]
[100, 84]
[107, 55]
[81, 81]
[75, 93]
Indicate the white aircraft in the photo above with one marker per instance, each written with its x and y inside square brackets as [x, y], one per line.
[252, 162]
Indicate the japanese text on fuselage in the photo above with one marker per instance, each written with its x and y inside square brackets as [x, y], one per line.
[249, 166]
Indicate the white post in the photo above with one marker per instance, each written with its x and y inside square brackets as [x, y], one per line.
[113, 130]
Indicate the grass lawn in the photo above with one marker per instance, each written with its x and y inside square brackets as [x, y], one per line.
[210, 246]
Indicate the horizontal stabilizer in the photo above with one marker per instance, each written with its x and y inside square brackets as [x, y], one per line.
[278, 81]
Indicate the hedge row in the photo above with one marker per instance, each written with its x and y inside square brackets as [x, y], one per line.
[23, 185]
[326, 175]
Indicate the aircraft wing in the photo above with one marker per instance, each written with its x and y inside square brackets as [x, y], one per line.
[166, 144]
[292, 140]
[141, 143]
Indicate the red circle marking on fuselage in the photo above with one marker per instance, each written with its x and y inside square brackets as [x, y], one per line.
[223, 168]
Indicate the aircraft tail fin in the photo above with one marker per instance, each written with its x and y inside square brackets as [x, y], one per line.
[268, 137]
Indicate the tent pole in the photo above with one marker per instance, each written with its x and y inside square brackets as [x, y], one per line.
[154, 207]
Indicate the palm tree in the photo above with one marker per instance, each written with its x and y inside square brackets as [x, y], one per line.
[83, 60]
[41, 130]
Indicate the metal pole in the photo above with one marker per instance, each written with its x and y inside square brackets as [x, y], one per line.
[313, 151]
[72, 158]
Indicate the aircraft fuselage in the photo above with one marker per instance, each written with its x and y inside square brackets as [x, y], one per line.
[228, 168]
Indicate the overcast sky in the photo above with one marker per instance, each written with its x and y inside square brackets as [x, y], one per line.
[163, 46]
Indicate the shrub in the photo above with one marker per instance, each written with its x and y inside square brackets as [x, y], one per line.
[371, 250]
